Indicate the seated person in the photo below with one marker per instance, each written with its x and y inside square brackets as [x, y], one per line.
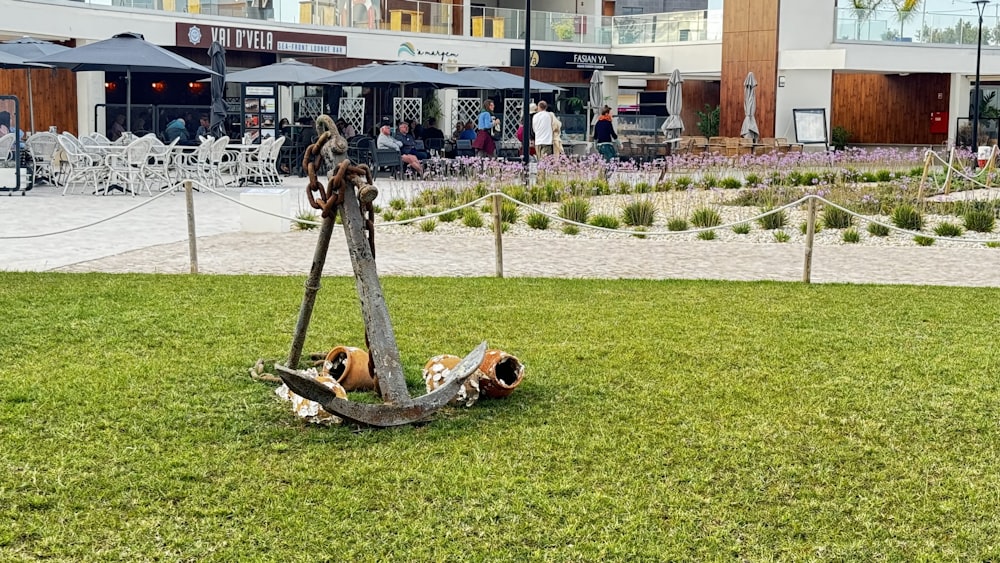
[346, 129]
[176, 130]
[432, 131]
[204, 127]
[409, 144]
[386, 141]
[117, 128]
[469, 133]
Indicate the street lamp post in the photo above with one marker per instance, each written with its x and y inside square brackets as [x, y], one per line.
[981, 6]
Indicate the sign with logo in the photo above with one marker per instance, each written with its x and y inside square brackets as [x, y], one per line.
[584, 61]
[260, 40]
[407, 49]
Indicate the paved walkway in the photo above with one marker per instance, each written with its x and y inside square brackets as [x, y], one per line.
[154, 239]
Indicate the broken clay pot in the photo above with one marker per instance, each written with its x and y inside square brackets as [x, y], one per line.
[502, 373]
[436, 372]
[349, 366]
[309, 410]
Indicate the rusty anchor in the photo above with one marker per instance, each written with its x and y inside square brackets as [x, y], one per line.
[348, 191]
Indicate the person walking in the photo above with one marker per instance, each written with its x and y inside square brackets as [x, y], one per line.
[542, 125]
[484, 143]
[605, 136]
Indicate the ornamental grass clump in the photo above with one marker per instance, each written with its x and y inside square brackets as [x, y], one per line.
[948, 230]
[605, 221]
[906, 217]
[980, 221]
[836, 218]
[640, 213]
[782, 236]
[509, 212]
[448, 216]
[706, 235]
[397, 203]
[851, 236]
[576, 210]
[878, 230]
[677, 224]
[730, 183]
[537, 221]
[773, 219]
[472, 218]
[428, 225]
[570, 229]
[923, 241]
[706, 217]
[741, 228]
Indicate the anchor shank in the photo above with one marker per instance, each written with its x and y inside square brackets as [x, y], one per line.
[378, 327]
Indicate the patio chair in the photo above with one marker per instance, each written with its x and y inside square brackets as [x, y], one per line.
[78, 165]
[269, 164]
[387, 159]
[194, 165]
[219, 161]
[42, 147]
[6, 144]
[250, 162]
[161, 161]
[463, 147]
[359, 150]
[434, 146]
[128, 168]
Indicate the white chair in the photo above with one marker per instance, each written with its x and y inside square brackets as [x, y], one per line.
[218, 160]
[78, 165]
[270, 164]
[160, 164]
[250, 164]
[194, 165]
[128, 168]
[6, 144]
[99, 138]
[42, 147]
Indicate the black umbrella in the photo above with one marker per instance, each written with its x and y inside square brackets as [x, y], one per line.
[30, 48]
[218, 55]
[401, 73]
[494, 79]
[125, 52]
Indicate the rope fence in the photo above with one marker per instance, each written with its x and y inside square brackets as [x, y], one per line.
[811, 201]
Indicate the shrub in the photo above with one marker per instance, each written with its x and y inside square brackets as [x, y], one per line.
[605, 221]
[948, 230]
[884, 175]
[448, 216]
[923, 241]
[851, 235]
[428, 225]
[753, 179]
[709, 181]
[576, 210]
[639, 213]
[640, 230]
[993, 244]
[741, 228]
[537, 221]
[706, 217]
[503, 227]
[643, 188]
[782, 236]
[836, 218]
[306, 215]
[683, 182]
[408, 214]
[472, 218]
[706, 235]
[388, 215]
[570, 229]
[878, 230]
[730, 183]
[979, 221]
[804, 226]
[773, 220]
[397, 203]
[509, 212]
[906, 217]
[677, 224]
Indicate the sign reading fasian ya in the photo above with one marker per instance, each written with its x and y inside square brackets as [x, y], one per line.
[260, 40]
[584, 61]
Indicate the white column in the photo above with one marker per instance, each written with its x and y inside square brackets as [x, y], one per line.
[958, 103]
[466, 20]
[89, 94]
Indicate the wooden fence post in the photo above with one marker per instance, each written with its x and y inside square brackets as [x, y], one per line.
[192, 238]
[951, 166]
[498, 233]
[810, 235]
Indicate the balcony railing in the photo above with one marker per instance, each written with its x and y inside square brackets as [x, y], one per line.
[889, 25]
[447, 19]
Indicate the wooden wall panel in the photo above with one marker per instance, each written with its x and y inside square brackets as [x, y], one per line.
[749, 43]
[889, 109]
[54, 93]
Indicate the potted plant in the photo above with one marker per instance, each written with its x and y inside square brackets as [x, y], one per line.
[708, 121]
[564, 29]
[572, 104]
[839, 137]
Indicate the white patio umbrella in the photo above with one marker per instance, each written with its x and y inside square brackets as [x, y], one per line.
[673, 127]
[749, 128]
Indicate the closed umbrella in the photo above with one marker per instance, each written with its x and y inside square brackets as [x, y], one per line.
[125, 52]
[673, 127]
[30, 48]
[596, 102]
[217, 54]
[749, 128]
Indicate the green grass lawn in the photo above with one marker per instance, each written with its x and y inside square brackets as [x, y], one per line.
[658, 420]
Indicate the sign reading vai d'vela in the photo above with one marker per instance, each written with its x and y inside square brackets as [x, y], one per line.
[260, 40]
[583, 61]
